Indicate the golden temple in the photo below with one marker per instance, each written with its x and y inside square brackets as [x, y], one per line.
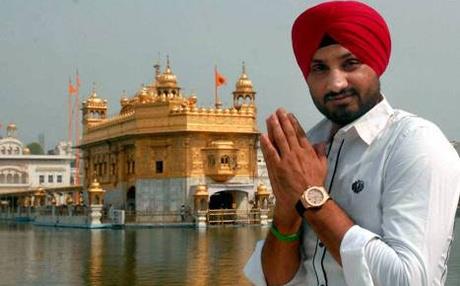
[163, 147]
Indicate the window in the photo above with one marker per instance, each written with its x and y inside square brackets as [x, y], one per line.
[59, 179]
[159, 167]
[16, 178]
[50, 178]
[41, 179]
[224, 159]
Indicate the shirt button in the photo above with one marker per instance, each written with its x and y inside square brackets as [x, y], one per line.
[321, 245]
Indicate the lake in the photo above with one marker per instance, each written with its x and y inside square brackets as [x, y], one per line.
[32, 255]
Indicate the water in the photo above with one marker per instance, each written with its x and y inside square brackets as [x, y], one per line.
[31, 255]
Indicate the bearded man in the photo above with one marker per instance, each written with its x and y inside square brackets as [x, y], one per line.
[369, 196]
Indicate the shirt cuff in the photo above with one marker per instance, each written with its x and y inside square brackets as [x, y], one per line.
[354, 264]
[253, 269]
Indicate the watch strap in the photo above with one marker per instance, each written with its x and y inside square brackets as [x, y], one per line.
[300, 208]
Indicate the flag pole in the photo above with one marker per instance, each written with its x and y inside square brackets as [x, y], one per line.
[77, 132]
[215, 86]
[70, 112]
[217, 76]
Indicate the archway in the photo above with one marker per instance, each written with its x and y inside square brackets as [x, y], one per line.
[131, 199]
[221, 200]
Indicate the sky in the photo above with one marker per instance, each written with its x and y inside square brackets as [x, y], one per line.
[116, 43]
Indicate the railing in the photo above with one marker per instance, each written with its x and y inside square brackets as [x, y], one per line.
[234, 216]
[213, 217]
[219, 216]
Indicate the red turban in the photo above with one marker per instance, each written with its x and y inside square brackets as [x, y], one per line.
[354, 25]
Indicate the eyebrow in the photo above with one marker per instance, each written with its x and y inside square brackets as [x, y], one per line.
[341, 57]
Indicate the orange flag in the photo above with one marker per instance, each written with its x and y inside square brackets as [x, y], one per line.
[72, 88]
[220, 79]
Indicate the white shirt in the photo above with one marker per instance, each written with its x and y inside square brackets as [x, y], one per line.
[398, 178]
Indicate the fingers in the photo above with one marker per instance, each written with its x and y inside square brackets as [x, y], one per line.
[288, 128]
[268, 150]
[301, 136]
[276, 134]
[299, 130]
[320, 149]
[270, 133]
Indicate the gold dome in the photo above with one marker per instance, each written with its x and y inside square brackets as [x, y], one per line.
[167, 78]
[201, 190]
[143, 94]
[244, 84]
[94, 98]
[262, 189]
[26, 151]
[124, 101]
[40, 192]
[95, 187]
[95, 101]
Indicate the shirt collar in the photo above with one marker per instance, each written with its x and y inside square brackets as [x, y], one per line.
[367, 127]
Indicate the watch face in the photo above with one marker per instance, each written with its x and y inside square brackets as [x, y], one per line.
[315, 197]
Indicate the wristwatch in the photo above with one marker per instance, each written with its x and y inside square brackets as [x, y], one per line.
[312, 197]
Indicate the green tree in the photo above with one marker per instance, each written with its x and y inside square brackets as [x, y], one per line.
[35, 148]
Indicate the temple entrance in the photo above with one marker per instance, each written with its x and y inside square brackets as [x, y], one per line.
[131, 199]
[228, 207]
[221, 200]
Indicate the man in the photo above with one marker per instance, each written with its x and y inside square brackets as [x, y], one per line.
[182, 213]
[393, 177]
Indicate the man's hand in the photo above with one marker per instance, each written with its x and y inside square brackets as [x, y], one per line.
[293, 164]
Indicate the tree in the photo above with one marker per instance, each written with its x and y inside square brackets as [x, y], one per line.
[35, 148]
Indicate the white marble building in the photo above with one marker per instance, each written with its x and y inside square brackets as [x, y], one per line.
[21, 172]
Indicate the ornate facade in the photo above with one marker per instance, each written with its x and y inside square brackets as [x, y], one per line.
[154, 155]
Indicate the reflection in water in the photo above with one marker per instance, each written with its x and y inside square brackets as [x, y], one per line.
[95, 257]
[155, 256]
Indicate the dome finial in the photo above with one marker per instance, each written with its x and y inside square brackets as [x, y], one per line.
[244, 83]
[167, 62]
[93, 89]
[167, 78]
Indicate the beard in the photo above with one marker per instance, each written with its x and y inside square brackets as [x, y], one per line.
[347, 113]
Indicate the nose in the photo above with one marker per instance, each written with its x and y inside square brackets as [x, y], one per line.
[337, 80]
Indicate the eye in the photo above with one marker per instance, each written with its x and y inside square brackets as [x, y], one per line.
[318, 68]
[351, 64]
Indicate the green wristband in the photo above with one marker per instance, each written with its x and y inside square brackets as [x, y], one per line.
[284, 237]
